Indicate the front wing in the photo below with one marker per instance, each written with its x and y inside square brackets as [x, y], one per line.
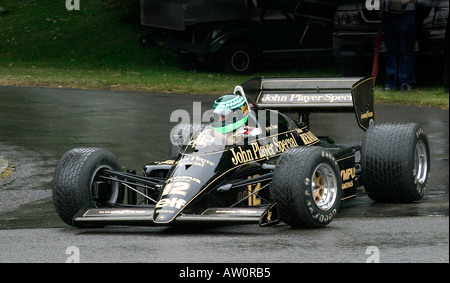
[143, 216]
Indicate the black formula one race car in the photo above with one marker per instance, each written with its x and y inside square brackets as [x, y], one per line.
[252, 163]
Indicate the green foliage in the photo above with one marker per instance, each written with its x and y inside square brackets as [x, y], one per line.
[101, 34]
[43, 44]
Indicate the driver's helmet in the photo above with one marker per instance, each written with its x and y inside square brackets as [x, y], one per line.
[230, 113]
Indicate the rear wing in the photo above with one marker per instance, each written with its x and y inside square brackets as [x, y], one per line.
[311, 95]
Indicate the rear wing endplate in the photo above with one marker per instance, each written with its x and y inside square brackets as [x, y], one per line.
[311, 95]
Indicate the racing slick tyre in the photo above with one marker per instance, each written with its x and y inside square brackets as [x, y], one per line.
[395, 162]
[76, 184]
[307, 186]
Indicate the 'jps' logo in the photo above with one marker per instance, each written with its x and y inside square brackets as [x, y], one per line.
[373, 5]
[73, 5]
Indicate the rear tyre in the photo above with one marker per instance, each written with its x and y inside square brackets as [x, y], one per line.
[395, 162]
[307, 186]
[76, 184]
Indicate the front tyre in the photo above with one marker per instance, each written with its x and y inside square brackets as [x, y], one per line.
[395, 162]
[307, 186]
[77, 185]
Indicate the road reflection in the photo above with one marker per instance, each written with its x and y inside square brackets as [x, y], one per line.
[38, 125]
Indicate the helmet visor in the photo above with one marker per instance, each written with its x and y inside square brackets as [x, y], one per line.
[230, 113]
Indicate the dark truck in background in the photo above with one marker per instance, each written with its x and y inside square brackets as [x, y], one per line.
[356, 29]
[236, 35]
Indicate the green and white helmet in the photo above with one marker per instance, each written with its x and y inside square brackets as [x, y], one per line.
[230, 113]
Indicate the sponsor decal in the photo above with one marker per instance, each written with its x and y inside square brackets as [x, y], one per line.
[231, 211]
[183, 179]
[308, 138]
[275, 145]
[347, 176]
[171, 202]
[122, 212]
[270, 216]
[195, 160]
[308, 98]
[165, 162]
[176, 188]
[367, 115]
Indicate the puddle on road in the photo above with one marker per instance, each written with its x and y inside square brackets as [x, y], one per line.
[39, 125]
[42, 214]
[39, 214]
[25, 180]
[363, 207]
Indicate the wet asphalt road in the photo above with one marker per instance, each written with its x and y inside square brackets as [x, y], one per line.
[38, 125]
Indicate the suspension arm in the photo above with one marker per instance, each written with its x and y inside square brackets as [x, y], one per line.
[122, 176]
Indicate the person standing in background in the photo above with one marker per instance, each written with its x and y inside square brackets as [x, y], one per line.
[399, 26]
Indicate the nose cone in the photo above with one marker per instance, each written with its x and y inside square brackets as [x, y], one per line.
[197, 170]
[174, 198]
